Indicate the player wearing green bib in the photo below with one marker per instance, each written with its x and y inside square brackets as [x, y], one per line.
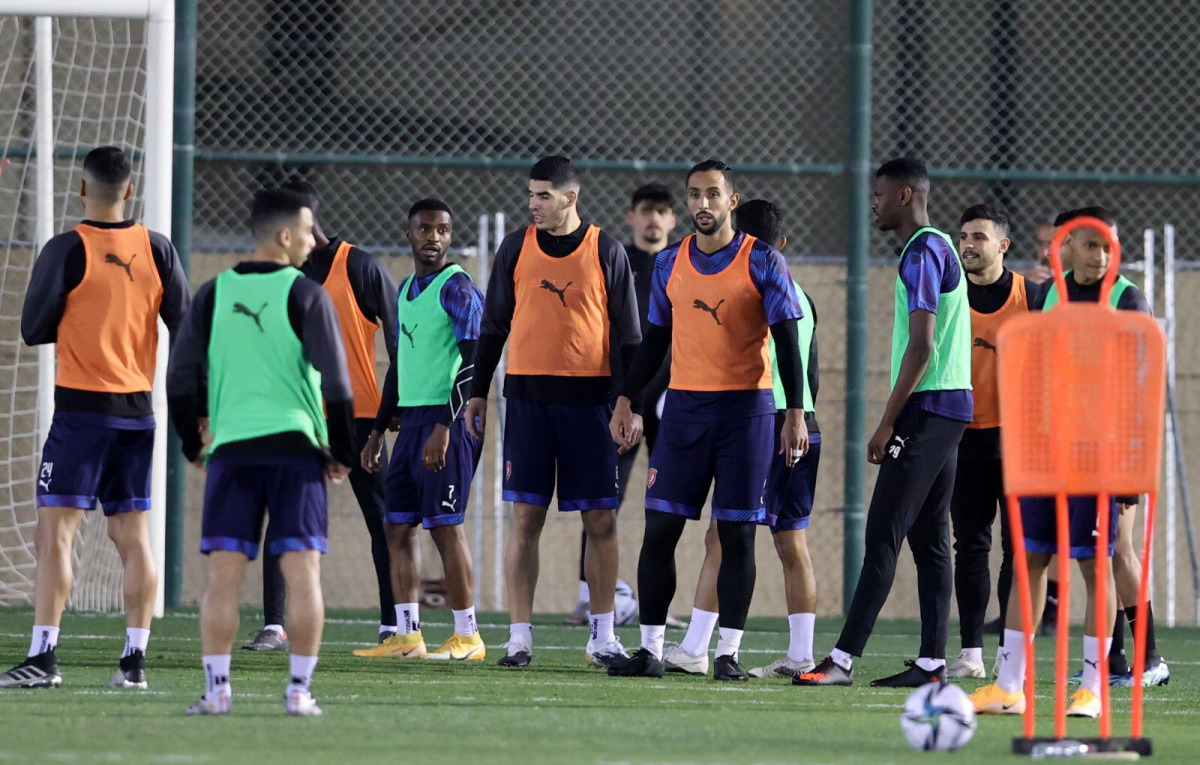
[789, 500]
[265, 343]
[438, 312]
[916, 444]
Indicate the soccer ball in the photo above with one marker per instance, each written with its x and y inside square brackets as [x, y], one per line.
[938, 717]
[625, 604]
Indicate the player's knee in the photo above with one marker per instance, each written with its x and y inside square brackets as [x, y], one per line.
[600, 525]
[791, 548]
[447, 537]
[528, 523]
[737, 539]
[712, 540]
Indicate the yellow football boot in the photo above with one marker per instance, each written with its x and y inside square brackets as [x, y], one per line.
[410, 646]
[994, 700]
[1084, 703]
[460, 648]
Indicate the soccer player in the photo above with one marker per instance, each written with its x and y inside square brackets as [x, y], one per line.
[265, 343]
[789, 500]
[97, 291]
[717, 297]
[364, 294]
[916, 443]
[434, 458]
[995, 295]
[651, 215]
[1041, 272]
[558, 290]
[1087, 251]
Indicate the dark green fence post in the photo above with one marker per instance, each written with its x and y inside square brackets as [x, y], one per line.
[858, 185]
[181, 234]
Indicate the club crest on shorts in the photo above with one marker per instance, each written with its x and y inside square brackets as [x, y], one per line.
[651, 477]
[508, 468]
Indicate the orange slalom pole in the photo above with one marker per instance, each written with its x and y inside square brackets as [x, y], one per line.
[1021, 566]
[1062, 651]
[1139, 637]
[1101, 588]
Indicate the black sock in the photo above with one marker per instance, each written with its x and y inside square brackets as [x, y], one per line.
[1051, 599]
[1117, 663]
[1152, 657]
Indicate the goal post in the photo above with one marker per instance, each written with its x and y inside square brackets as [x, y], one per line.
[150, 111]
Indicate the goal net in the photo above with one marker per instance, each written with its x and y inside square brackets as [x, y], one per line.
[68, 83]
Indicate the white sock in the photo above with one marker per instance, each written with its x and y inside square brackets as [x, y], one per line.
[800, 643]
[408, 618]
[385, 629]
[1011, 677]
[699, 633]
[930, 665]
[464, 621]
[602, 628]
[44, 639]
[842, 659]
[1091, 662]
[302, 671]
[585, 595]
[521, 632]
[216, 675]
[276, 628]
[974, 654]
[653, 636]
[136, 639]
[729, 641]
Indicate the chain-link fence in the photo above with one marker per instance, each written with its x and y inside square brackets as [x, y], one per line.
[1040, 106]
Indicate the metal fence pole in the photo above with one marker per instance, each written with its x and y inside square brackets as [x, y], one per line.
[183, 153]
[858, 177]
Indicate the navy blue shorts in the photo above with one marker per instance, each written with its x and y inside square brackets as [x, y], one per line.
[790, 491]
[90, 458]
[1041, 530]
[415, 494]
[240, 490]
[689, 456]
[568, 442]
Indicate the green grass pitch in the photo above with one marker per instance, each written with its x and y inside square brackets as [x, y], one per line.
[558, 711]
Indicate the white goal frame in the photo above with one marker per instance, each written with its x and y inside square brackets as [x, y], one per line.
[156, 180]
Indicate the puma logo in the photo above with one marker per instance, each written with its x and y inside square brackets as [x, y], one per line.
[409, 334]
[704, 307]
[452, 504]
[1092, 664]
[981, 343]
[562, 294]
[895, 449]
[244, 311]
[114, 260]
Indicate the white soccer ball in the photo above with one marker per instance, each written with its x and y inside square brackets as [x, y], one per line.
[625, 604]
[938, 717]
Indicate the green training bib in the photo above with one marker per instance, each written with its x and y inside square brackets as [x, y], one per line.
[807, 328]
[427, 357]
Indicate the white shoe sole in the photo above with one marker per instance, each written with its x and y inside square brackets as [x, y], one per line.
[118, 681]
[698, 668]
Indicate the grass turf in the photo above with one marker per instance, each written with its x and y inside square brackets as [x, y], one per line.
[558, 711]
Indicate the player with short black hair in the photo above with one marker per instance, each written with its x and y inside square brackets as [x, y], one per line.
[651, 216]
[265, 344]
[364, 295]
[98, 291]
[789, 500]
[561, 296]
[434, 458]
[916, 443]
[995, 295]
[717, 298]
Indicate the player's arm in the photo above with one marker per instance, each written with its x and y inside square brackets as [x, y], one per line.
[187, 370]
[769, 272]
[498, 308]
[58, 270]
[177, 296]
[463, 302]
[1133, 299]
[626, 424]
[623, 318]
[922, 278]
[812, 368]
[376, 291]
[389, 398]
[314, 320]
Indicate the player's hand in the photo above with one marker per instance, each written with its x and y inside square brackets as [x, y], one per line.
[625, 427]
[372, 451]
[793, 441]
[337, 472]
[203, 421]
[436, 446]
[1040, 273]
[877, 446]
[476, 417]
